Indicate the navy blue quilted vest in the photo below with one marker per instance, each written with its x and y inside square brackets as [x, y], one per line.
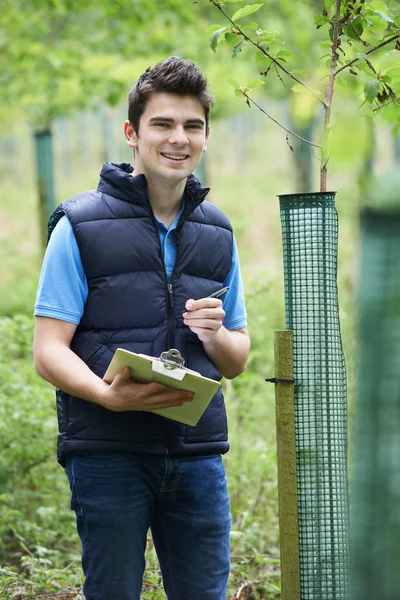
[131, 306]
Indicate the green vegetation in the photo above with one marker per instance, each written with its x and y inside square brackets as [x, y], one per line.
[350, 36]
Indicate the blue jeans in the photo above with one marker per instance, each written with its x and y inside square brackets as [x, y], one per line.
[118, 497]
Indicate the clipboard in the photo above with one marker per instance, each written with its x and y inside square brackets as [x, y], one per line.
[168, 370]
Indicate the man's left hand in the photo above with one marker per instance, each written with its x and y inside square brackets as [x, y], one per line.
[204, 317]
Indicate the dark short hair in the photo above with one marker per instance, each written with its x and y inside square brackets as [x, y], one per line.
[175, 76]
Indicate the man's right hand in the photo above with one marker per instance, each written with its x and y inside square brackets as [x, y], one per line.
[126, 395]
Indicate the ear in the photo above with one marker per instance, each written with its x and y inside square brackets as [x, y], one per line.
[130, 135]
[206, 140]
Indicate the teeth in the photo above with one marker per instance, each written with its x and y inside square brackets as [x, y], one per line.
[175, 157]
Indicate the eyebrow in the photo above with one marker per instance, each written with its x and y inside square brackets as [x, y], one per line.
[169, 120]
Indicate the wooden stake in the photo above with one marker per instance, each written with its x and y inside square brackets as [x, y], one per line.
[287, 470]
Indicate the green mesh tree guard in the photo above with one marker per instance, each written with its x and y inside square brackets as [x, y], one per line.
[376, 478]
[309, 231]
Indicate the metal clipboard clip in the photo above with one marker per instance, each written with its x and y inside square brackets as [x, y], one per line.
[172, 359]
[171, 364]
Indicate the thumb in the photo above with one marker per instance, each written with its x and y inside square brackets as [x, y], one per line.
[127, 372]
[123, 375]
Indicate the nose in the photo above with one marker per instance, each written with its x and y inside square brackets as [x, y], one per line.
[178, 136]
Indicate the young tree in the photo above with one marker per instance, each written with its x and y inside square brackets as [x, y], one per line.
[362, 38]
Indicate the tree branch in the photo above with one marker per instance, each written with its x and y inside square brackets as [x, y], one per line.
[349, 64]
[328, 98]
[391, 101]
[279, 124]
[274, 60]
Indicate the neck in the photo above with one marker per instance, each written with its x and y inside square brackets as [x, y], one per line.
[165, 197]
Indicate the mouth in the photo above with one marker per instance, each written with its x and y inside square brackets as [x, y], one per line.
[177, 158]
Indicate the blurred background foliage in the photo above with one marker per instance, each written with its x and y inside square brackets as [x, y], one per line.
[68, 65]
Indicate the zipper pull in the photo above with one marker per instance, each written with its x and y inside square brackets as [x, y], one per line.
[170, 295]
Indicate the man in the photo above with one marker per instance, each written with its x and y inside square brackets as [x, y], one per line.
[132, 265]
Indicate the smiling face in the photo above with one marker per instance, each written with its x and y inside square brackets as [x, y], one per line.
[172, 137]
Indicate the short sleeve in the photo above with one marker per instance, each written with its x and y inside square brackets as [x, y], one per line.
[62, 290]
[233, 301]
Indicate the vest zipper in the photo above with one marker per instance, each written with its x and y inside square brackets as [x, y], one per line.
[170, 316]
[170, 297]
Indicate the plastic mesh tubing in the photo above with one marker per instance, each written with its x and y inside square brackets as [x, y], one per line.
[376, 481]
[309, 230]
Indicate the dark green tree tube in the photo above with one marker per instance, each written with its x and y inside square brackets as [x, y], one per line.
[376, 478]
[45, 178]
[309, 230]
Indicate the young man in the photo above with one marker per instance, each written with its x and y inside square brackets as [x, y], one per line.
[132, 265]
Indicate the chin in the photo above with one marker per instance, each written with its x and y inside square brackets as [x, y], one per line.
[177, 175]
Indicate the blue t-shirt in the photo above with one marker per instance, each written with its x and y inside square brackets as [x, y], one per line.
[63, 289]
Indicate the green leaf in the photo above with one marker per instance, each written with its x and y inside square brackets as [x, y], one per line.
[262, 61]
[298, 88]
[299, 73]
[250, 25]
[383, 16]
[225, 1]
[214, 39]
[376, 24]
[238, 93]
[361, 55]
[212, 28]
[320, 20]
[269, 36]
[390, 112]
[395, 63]
[246, 10]
[362, 66]
[342, 81]
[230, 37]
[282, 54]
[238, 48]
[394, 13]
[354, 31]
[393, 73]
[255, 83]
[371, 90]
[233, 83]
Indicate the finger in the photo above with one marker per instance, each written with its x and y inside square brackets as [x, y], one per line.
[157, 388]
[169, 394]
[203, 324]
[156, 403]
[216, 314]
[201, 331]
[122, 377]
[161, 405]
[203, 303]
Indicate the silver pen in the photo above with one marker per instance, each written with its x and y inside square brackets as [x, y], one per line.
[219, 293]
